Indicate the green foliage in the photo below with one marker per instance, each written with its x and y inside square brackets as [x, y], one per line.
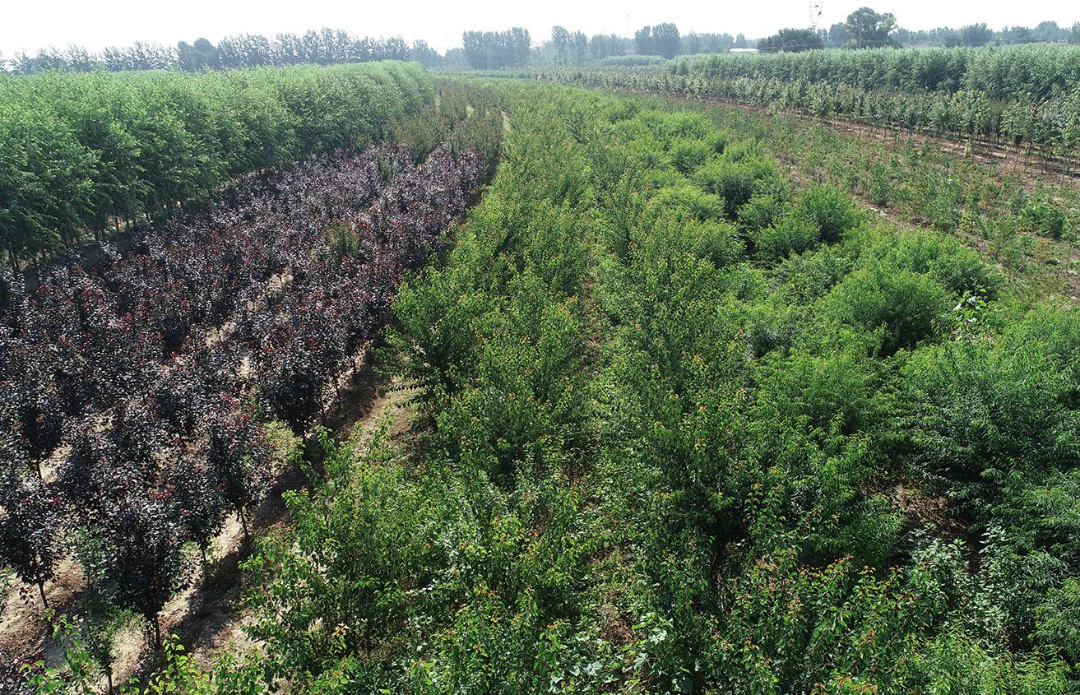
[82, 152]
[735, 177]
[1044, 218]
[984, 411]
[791, 41]
[372, 552]
[685, 431]
[905, 307]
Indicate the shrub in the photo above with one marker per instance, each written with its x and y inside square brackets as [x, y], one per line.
[792, 234]
[833, 213]
[687, 155]
[1044, 218]
[735, 180]
[907, 306]
[982, 412]
[957, 267]
[760, 212]
[715, 242]
[689, 199]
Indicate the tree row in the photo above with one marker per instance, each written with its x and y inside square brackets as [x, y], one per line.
[87, 153]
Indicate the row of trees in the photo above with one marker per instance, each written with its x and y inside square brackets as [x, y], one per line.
[487, 50]
[180, 447]
[567, 47]
[691, 428]
[84, 154]
[1009, 74]
[979, 34]
[324, 47]
[1051, 126]
[864, 28]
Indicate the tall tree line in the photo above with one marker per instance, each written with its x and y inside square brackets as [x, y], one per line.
[485, 50]
[324, 47]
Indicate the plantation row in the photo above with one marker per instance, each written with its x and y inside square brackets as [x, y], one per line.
[216, 323]
[86, 339]
[1052, 126]
[83, 153]
[689, 428]
[1027, 73]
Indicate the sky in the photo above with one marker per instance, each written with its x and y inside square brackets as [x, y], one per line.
[29, 26]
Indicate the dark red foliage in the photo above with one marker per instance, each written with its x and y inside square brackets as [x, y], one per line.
[147, 362]
[31, 521]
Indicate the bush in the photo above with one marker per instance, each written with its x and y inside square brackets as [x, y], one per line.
[908, 307]
[831, 212]
[983, 412]
[957, 267]
[790, 235]
[687, 199]
[715, 242]
[687, 155]
[735, 182]
[1044, 218]
[760, 212]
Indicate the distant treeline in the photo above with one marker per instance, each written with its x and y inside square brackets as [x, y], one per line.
[324, 47]
[497, 49]
[864, 28]
[515, 48]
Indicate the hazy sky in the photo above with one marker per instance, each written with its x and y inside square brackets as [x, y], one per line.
[98, 23]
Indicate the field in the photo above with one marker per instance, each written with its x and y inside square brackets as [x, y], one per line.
[512, 386]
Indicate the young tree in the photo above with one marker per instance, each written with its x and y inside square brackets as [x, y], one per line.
[145, 560]
[31, 529]
[200, 501]
[101, 622]
[237, 459]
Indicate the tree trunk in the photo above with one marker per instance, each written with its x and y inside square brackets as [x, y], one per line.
[41, 590]
[157, 633]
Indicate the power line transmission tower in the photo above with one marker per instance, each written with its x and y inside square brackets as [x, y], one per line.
[816, 8]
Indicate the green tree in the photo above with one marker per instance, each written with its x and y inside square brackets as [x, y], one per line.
[666, 39]
[644, 44]
[976, 34]
[791, 41]
[871, 29]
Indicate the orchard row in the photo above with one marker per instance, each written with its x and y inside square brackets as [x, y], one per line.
[85, 154]
[135, 392]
